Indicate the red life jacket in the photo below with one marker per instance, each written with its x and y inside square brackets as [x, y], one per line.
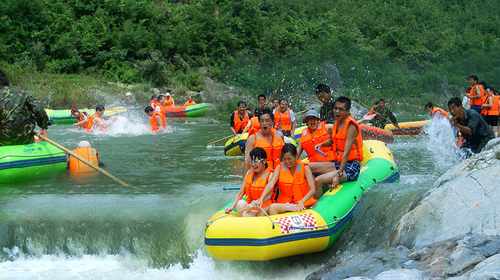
[294, 187]
[273, 150]
[254, 190]
[81, 118]
[339, 137]
[493, 111]
[437, 109]
[477, 101]
[282, 120]
[90, 123]
[154, 124]
[308, 142]
[240, 124]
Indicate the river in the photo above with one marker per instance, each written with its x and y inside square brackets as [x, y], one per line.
[89, 227]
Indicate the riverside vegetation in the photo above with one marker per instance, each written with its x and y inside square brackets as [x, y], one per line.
[64, 51]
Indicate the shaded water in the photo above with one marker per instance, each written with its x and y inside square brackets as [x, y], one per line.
[89, 227]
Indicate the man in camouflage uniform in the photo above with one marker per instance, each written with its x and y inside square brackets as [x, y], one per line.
[19, 115]
[325, 96]
[382, 110]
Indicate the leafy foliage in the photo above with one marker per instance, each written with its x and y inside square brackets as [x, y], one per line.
[424, 46]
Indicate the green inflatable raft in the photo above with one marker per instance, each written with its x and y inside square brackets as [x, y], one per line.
[37, 161]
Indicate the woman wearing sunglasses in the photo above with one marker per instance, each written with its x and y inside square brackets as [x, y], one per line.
[295, 182]
[255, 182]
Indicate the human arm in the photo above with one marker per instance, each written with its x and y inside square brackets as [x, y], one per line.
[299, 151]
[489, 104]
[367, 117]
[237, 198]
[248, 147]
[41, 117]
[269, 187]
[159, 122]
[352, 132]
[476, 93]
[310, 193]
[293, 123]
[231, 124]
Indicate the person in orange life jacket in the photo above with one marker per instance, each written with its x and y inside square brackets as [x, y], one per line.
[254, 122]
[96, 122]
[315, 133]
[284, 119]
[491, 108]
[435, 111]
[255, 181]
[240, 118]
[154, 100]
[158, 123]
[161, 106]
[474, 129]
[81, 117]
[190, 101]
[346, 143]
[262, 103]
[295, 182]
[476, 94]
[276, 104]
[169, 100]
[84, 150]
[267, 138]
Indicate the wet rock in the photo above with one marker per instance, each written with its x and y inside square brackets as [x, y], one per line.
[400, 274]
[464, 200]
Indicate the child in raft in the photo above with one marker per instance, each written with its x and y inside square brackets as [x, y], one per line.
[255, 181]
[295, 182]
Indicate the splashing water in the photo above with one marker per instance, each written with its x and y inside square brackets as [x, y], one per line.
[441, 143]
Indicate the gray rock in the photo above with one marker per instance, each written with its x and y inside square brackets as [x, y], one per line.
[400, 274]
[464, 200]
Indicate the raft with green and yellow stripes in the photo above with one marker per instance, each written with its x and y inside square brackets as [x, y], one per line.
[229, 237]
[37, 161]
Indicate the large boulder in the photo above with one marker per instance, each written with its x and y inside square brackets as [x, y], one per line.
[464, 200]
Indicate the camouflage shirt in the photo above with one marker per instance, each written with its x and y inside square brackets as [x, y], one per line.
[326, 111]
[385, 113]
[19, 115]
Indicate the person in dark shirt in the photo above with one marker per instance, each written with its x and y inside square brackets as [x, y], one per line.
[325, 96]
[19, 115]
[471, 125]
[384, 114]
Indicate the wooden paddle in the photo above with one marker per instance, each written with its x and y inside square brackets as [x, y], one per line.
[387, 120]
[89, 163]
[272, 96]
[219, 140]
[390, 102]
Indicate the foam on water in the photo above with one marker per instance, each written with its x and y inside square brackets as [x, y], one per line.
[125, 267]
[440, 142]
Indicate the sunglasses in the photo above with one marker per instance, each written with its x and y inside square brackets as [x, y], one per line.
[255, 161]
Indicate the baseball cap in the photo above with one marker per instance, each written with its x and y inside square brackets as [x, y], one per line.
[310, 113]
[167, 94]
[73, 111]
[128, 94]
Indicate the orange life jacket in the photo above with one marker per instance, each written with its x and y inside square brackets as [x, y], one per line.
[163, 110]
[254, 189]
[339, 137]
[81, 118]
[437, 109]
[282, 120]
[254, 125]
[493, 111]
[308, 142]
[477, 101]
[293, 187]
[273, 150]
[169, 102]
[154, 124]
[240, 124]
[89, 154]
[90, 123]
[154, 103]
[189, 103]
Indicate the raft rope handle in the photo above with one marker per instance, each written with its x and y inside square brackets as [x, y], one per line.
[390, 174]
[210, 222]
[53, 154]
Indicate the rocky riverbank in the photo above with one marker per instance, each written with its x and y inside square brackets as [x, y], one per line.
[451, 232]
